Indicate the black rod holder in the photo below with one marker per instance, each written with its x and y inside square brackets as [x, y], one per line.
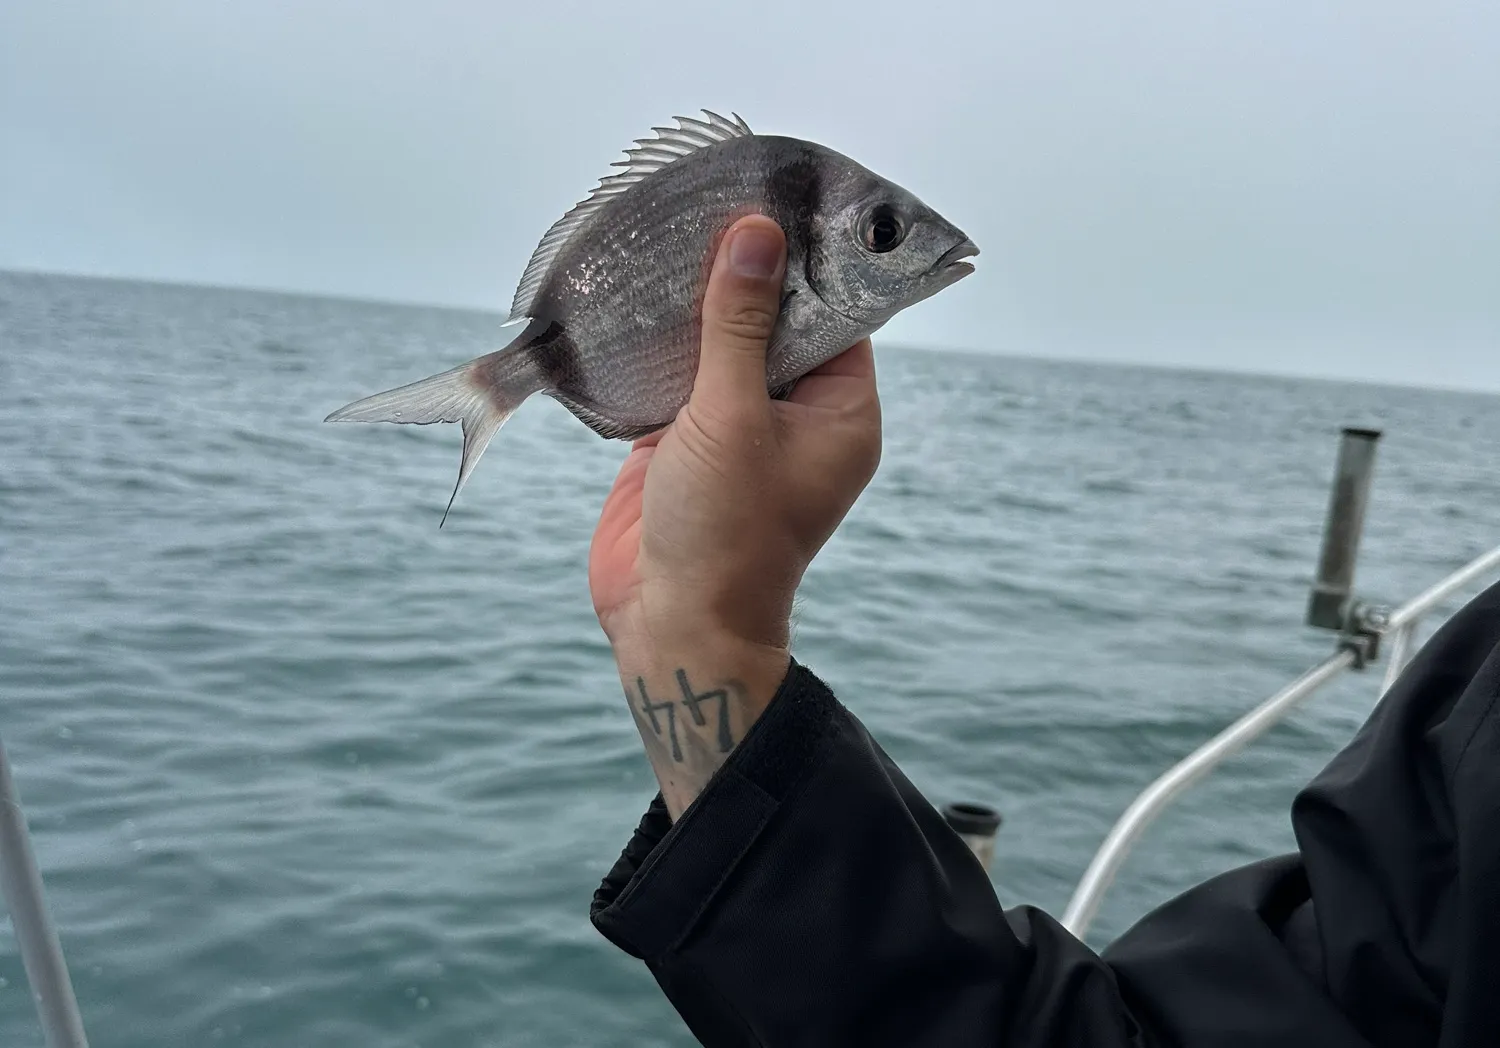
[977, 824]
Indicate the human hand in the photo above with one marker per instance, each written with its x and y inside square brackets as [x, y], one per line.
[713, 521]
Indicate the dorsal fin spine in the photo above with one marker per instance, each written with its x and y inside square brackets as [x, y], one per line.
[648, 156]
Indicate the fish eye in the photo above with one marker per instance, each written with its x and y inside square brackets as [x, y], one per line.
[883, 229]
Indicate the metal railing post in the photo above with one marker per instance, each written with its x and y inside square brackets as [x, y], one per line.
[41, 952]
[1330, 604]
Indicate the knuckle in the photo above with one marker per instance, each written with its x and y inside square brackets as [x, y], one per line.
[722, 425]
[745, 322]
[705, 445]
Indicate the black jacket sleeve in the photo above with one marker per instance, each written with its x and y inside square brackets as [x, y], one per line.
[811, 896]
[1389, 913]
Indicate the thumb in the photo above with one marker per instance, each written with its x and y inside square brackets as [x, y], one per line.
[739, 312]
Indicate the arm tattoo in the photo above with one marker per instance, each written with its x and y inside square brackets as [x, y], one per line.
[649, 708]
[693, 701]
[690, 730]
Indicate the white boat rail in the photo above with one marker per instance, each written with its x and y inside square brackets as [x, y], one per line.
[41, 953]
[1154, 799]
[1363, 630]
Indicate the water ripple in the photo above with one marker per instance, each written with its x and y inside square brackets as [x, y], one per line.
[304, 769]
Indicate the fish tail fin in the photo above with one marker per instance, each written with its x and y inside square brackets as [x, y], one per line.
[480, 395]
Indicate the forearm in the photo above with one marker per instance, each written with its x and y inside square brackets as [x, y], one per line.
[811, 896]
[693, 702]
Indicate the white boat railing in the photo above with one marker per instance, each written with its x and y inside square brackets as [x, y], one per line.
[1363, 629]
[41, 953]
[1400, 630]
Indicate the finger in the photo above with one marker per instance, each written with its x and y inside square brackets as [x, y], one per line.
[633, 469]
[846, 382]
[650, 440]
[625, 494]
[739, 312]
[858, 361]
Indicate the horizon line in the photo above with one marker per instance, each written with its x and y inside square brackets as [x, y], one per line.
[1066, 357]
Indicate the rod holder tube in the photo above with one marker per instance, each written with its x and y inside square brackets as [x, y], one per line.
[41, 953]
[1333, 590]
[977, 825]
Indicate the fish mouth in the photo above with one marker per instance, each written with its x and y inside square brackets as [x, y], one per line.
[951, 264]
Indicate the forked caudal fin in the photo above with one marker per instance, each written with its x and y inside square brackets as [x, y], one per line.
[480, 395]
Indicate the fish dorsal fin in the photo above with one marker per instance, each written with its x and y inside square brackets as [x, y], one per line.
[649, 156]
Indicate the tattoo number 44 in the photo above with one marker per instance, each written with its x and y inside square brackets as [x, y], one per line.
[694, 702]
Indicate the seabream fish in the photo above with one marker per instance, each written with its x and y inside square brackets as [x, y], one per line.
[610, 297]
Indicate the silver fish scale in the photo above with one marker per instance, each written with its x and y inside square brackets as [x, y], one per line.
[625, 288]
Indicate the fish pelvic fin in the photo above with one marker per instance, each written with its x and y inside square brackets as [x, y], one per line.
[479, 395]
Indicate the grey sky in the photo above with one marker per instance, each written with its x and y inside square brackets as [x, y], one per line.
[1283, 185]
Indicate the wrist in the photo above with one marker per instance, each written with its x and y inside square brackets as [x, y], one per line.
[714, 655]
[693, 701]
[681, 615]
